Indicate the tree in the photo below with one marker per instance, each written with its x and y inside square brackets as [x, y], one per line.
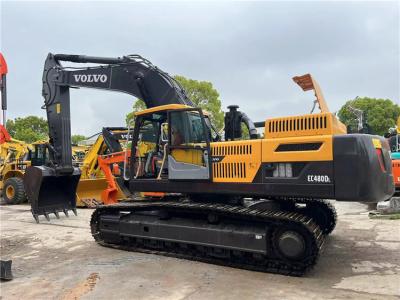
[202, 94]
[137, 106]
[381, 114]
[28, 129]
[76, 138]
[205, 96]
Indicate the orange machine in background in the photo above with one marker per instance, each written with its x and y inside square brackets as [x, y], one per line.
[396, 175]
[109, 164]
[393, 138]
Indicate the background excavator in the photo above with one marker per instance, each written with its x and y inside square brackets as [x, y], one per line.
[255, 204]
[394, 142]
[393, 139]
[392, 206]
[93, 181]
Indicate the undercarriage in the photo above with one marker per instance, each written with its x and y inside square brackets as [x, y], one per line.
[283, 236]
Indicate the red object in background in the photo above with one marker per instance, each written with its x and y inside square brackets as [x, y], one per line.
[3, 65]
[396, 173]
[4, 135]
[380, 159]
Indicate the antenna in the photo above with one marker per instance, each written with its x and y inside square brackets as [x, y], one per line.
[358, 113]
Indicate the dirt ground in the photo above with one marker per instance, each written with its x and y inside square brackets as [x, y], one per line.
[60, 260]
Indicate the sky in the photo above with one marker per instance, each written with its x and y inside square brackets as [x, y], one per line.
[248, 50]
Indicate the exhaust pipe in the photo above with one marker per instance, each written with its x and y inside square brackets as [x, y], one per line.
[50, 192]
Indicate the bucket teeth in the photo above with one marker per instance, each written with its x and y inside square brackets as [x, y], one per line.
[56, 213]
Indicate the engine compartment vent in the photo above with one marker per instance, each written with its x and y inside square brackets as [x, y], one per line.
[231, 150]
[306, 125]
[229, 170]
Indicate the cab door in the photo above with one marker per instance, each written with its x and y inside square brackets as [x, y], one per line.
[188, 145]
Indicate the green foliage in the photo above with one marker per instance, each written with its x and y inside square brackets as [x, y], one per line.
[245, 132]
[202, 94]
[381, 114]
[28, 129]
[205, 96]
[137, 106]
[76, 138]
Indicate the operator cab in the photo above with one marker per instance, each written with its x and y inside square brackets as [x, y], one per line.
[171, 142]
[40, 154]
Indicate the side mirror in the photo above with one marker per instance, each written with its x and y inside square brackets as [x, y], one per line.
[164, 132]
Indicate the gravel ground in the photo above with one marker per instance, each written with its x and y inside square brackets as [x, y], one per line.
[60, 260]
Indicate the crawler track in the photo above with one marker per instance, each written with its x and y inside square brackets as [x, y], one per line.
[275, 222]
[321, 211]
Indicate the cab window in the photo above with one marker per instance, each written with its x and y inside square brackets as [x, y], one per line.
[186, 128]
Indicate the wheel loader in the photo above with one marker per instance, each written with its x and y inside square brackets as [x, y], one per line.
[257, 204]
[13, 153]
[14, 158]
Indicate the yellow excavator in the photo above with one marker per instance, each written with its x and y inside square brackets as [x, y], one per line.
[256, 204]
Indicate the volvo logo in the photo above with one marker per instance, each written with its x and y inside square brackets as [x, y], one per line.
[91, 78]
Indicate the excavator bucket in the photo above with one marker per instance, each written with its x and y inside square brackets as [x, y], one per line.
[49, 192]
[89, 192]
[94, 192]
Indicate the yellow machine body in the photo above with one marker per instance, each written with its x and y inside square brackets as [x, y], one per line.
[13, 162]
[243, 158]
